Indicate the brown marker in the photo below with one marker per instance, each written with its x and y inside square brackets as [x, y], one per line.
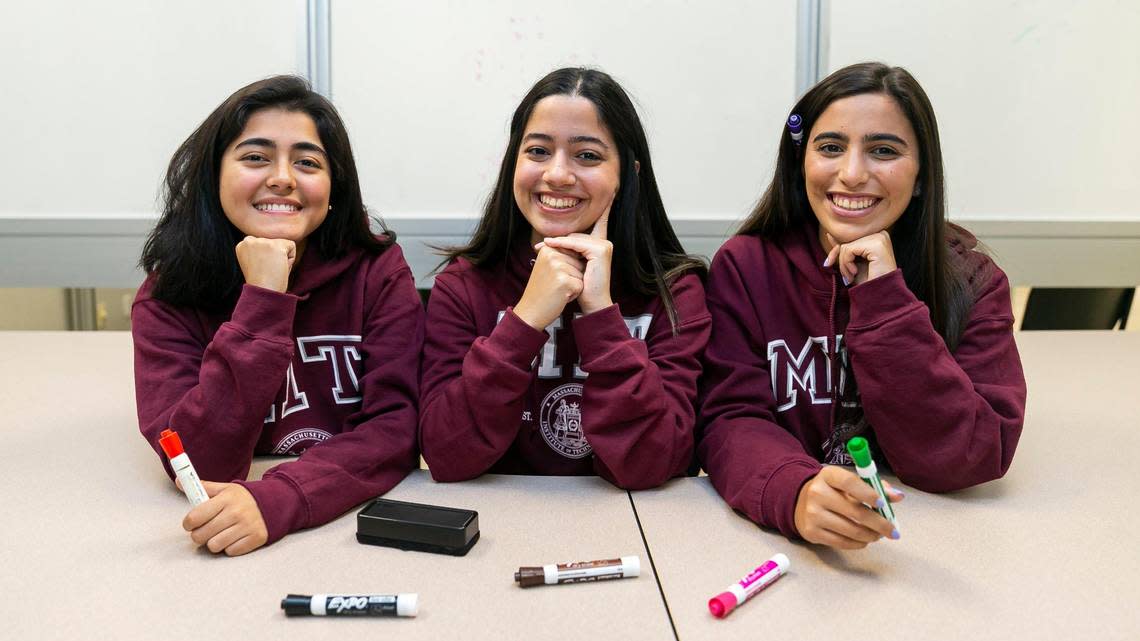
[626, 566]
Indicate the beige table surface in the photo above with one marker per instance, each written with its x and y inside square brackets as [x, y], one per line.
[91, 545]
[1052, 551]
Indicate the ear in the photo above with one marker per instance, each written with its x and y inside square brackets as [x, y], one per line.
[637, 166]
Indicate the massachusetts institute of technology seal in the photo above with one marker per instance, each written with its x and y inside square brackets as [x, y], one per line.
[560, 420]
[298, 441]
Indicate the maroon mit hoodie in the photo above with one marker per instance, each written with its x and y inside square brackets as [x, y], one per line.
[500, 396]
[942, 420]
[327, 370]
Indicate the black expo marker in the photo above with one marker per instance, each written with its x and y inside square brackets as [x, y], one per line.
[348, 605]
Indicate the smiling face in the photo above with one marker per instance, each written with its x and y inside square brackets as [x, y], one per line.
[567, 170]
[860, 167]
[275, 181]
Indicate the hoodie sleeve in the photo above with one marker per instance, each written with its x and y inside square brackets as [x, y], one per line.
[473, 387]
[756, 465]
[640, 394]
[377, 447]
[214, 393]
[943, 420]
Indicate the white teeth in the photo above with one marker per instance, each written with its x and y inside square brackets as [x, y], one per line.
[277, 207]
[853, 204]
[559, 203]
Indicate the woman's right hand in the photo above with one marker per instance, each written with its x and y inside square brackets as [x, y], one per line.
[557, 279]
[832, 510]
[266, 262]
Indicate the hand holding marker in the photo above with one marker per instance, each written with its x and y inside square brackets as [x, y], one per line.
[183, 468]
[865, 468]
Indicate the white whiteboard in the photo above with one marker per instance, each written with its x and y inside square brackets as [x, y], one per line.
[1038, 103]
[428, 88]
[98, 95]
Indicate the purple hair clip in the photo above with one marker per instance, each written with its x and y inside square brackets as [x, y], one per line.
[796, 128]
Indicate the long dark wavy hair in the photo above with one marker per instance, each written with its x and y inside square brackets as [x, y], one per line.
[190, 252]
[921, 234]
[647, 255]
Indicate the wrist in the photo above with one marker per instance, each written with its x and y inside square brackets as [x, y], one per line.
[595, 305]
[530, 317]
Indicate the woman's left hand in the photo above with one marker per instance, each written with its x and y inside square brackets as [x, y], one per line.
[229, 521]
[862, 259]
[598, 253]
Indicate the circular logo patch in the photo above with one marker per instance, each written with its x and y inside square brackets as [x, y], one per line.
[295, 443]
[560, 419]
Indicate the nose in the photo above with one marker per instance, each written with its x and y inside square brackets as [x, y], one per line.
[853, 169]
[281, 178]
[558, 171]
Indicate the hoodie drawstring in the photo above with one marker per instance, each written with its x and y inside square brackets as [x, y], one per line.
[834, 352]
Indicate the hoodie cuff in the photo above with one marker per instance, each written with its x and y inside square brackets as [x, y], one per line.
[265, 313]
[596, 334]
[779, 495]
[517, 342]
[877, 301]
[282, 506]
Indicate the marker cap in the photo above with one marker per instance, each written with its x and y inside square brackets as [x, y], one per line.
[407, 604]
[631, 566]
[860, 453]
[722, 604]
[170, 443]
[296, 605]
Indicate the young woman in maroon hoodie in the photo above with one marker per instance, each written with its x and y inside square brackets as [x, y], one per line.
[273, 321]
[565, 338]
[847, 305]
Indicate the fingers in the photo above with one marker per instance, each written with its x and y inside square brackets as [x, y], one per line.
[556, 253]
[854, 496]
[862, 259]
[224, 539]
[850, 484]
[244, 545]
[894, 495]
[233, 523]
[212, 527]
[590, 247]
[601, 226]
[214, 488]
[201, 514]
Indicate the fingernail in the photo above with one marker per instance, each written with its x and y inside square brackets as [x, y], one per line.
[895, 534]
[880, 503]
[827, 261]
[899, 493]
[846, 283]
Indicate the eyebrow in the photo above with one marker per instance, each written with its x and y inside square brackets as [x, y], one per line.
[876, 137]
[573, 140]
[265, 142]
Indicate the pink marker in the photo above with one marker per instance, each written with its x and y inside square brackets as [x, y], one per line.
[744, 589]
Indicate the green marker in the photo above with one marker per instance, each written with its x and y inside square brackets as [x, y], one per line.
[865, 468]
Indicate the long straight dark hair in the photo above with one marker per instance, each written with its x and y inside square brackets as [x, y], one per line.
[921, 234]
[190, 252]
[647, 255]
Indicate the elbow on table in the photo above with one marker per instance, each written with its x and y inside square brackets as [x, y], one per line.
[939, 479]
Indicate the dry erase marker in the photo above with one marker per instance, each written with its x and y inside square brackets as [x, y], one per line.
[796, 128]
[626, 566]
[744, 589]
[183, 468]
[865, 468]
[351, 605]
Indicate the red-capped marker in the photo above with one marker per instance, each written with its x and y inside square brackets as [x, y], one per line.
[744, 589]
[183, 468]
